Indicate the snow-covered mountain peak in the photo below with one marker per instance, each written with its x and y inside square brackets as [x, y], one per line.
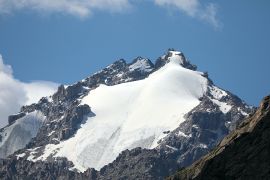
[167, 106]
[174, 56]
[132, 114]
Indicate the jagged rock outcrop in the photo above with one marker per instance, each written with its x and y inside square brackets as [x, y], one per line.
[137, 163]
[13, 118]
[22, 169]
[121, 72]
[243, 154]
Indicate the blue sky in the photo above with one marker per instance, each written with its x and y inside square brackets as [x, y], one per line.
[64, 43]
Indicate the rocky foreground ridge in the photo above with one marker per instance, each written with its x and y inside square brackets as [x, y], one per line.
[243, 154]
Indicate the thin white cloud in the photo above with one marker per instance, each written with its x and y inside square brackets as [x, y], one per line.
[85, 8]
[194, 8]
[81, 8]
[210, 15]
[37, 89]
[190, 7]
[14, 93]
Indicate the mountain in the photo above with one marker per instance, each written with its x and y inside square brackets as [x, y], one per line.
[243, 154]
[138, 120]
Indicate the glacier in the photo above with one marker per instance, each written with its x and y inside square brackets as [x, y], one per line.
[133, 114]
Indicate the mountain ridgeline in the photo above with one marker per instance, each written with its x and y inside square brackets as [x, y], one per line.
[138, 120]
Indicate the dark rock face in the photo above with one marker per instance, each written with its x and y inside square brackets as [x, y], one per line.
[137, 164]
[63, 118]
[196, 136]
[243, 154]
[134, 164]
[13, 118]
[199, 134]
[55, 131]
[70, 93]
[119, 72]
[21, 169]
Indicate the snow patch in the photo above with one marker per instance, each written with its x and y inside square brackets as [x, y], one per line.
[176, 57]
[195, 126]
[242, 112]
[204, 146]
[51, 133]
[224, 107]
[20, 155]
[217, 93]
[32, 154]
[180, 133]
[173, 148]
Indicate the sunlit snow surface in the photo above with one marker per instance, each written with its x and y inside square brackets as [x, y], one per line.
[17, 135]
[130, 115]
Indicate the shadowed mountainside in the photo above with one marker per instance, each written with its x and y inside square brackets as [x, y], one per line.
[243, 154]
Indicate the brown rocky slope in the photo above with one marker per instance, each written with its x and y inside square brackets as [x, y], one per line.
[243, 154]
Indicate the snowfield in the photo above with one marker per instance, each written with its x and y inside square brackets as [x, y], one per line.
[133, 114]
[20, 133]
